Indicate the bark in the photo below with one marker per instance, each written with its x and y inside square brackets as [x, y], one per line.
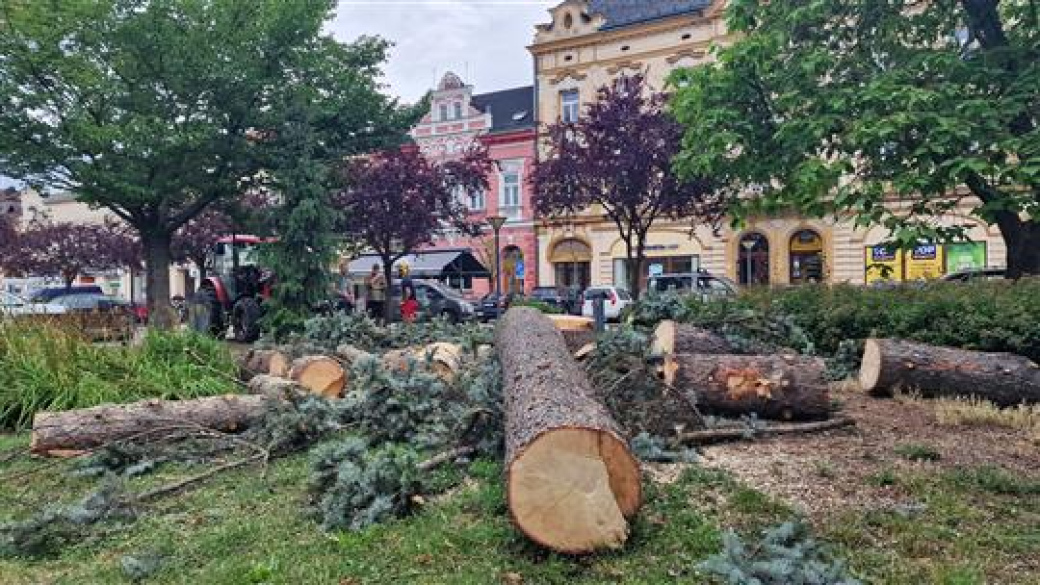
[90, 428]
[1002, 378]
[157, 279]
[771, 387]
[1022, 240]
[350, 355]
[266, 361]
[444, 360]
[576, 340]
[571, 482]
[671, 338]
[274, 387]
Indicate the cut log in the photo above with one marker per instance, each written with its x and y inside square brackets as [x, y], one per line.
[572, 323]
[319, 375]
[273, 386]
[89, 428]
[585, 352]
[773, 387]
[351, 355]
[1002, 378]
[671, 338]
[444, 360]
[571, 482]
[267, 361]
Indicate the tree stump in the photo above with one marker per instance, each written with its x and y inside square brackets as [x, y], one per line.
[319, 375]
[571, 482]
[773, 387]
[1002, 378]
[89, 428]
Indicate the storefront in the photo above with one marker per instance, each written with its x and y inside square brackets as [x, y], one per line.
[926, 261]
[571, 259]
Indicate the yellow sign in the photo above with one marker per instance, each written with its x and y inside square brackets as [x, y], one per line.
[884, 264]
[925, 262]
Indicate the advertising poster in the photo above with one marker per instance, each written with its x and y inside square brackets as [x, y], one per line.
[925, 262]
[883, 263]
[965, 256]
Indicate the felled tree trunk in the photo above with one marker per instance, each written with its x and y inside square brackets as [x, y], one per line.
[577, 331]
[351, 355]
[671, 338]
[571, 482]
[320, 375]
[274, 387]
[1003, 378]
[72, 431]
[774, 387]
[267, 361]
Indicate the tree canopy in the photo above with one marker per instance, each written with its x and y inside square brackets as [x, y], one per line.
[618, 155]
[396, 201]
[156, 109]
[889, 112]
[68, 250]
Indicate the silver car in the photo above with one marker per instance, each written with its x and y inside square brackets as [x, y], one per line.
[14, 305]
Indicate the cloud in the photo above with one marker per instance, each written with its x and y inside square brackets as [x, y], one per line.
[484, 41]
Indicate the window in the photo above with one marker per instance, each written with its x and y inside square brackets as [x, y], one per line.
[569, 105]
[510, 197]
[475, 201]
[458, 110]
[444, 112]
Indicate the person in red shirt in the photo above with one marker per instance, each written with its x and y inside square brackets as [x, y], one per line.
[409, 307]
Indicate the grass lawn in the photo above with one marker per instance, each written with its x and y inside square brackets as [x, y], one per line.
[973, 527]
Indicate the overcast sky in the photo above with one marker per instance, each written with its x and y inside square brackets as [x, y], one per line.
[483, 41]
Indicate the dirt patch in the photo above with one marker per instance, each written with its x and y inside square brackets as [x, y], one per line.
[837, 470]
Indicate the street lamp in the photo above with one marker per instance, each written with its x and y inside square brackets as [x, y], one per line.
[748, 244]
[496, 222]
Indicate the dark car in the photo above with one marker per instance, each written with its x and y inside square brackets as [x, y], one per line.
[494, 304]
[702, 283]
[435, 301]
[550, 296]
[976, 274]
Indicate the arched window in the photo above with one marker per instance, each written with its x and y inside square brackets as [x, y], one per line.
[753, 261]
[572, 263]
[806, 253]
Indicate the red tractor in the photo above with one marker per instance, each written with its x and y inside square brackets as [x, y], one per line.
[233, 291]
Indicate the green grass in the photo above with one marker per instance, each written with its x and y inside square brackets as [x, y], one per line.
[977, 525]
[46, 367]
[918, 452]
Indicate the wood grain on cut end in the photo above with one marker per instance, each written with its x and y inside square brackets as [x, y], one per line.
[319, 375]
[870, 369]
[569, 490]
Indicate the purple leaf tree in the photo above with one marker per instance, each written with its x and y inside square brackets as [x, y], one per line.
[618, 156]
[69, 250]
[395, 202]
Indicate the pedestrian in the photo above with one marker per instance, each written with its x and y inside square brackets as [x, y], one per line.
[409, 307]
[375, 285]
[407, 286]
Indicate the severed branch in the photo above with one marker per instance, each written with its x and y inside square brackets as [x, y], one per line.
[739, 434]
[189, 481]
[442, 458]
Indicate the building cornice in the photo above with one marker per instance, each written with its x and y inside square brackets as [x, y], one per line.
[630, 32]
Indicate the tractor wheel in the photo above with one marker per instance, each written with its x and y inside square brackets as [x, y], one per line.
[245, 320]
[205, 314]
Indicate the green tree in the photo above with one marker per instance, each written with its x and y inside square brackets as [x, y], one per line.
[890, 112]
[154, 109]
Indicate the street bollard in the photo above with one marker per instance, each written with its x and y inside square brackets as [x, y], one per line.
[599, 314]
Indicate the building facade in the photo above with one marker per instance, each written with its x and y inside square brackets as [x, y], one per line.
[586, 45]
[503, 122]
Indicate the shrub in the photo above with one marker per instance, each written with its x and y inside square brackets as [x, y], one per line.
[536, 304]
[46, 367]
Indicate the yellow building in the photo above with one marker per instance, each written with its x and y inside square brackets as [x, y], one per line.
[588, 43]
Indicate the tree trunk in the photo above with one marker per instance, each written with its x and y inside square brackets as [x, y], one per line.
[442, 359]
[671, 338]
[351, 355]
[57, 433]
[571, 482]
[773, 387]
[157, 279]
[1002, 378]
[388, 274]
[266, 361]
[319, 375]
[274, 387]
[1022, 240]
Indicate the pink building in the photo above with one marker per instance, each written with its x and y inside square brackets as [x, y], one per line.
[503, 121]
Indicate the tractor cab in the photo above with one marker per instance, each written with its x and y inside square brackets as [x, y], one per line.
[233, 290]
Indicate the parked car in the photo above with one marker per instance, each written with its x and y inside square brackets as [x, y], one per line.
[700, 283]
[46, 295]
[14, 305]
[976, 274]
[91, 302]
[435, 301]
[493, 304]
[615, 299]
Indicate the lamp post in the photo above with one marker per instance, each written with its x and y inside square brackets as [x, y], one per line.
[496, 222]
[748, 244]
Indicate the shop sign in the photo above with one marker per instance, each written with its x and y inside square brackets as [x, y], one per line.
[519, 270]
[883, 263]
[656, 269]
[925, 262]
[965, 256]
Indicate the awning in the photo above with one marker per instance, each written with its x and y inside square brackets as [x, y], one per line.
[431, 264]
